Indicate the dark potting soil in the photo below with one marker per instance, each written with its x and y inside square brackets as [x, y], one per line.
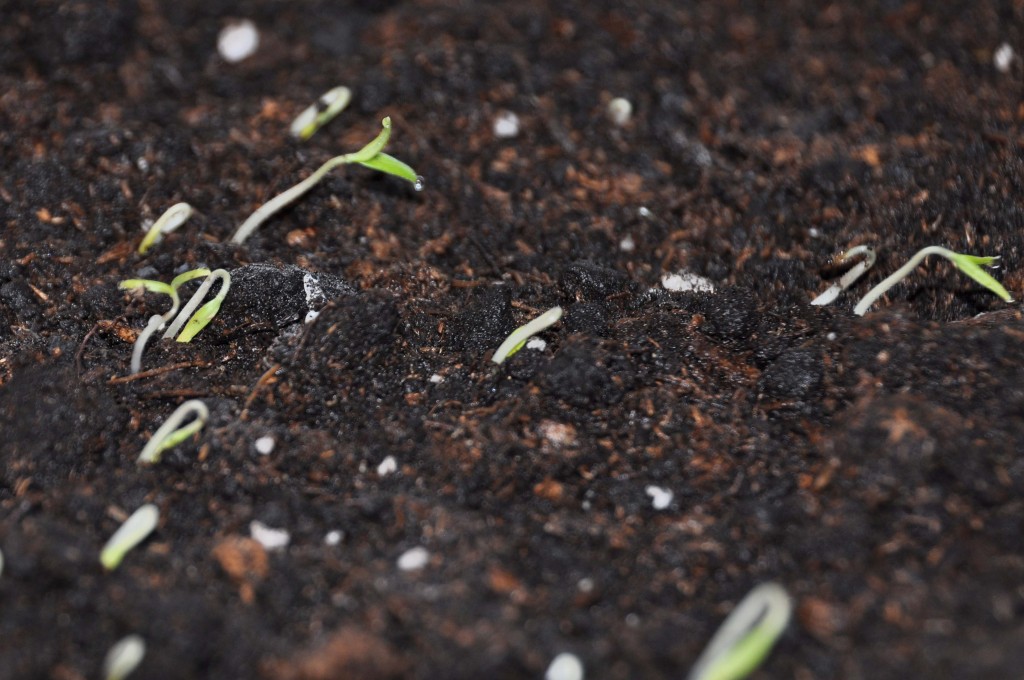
[869, 465]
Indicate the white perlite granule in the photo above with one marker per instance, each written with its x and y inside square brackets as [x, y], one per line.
[238, 41]
[565, 666]
[413, 559]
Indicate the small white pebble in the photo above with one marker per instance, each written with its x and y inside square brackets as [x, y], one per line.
[814, 232]
[565, 666]
[644, 212]
[271, 539]
[387, 466]
[585, 584]
[437, 378]
[620, 110]
[264, 445]
[334, 537]
[537, 344]
[687, 281]
[660, 498]
[627, 244]
[310, 315]
[831, 336]
[238, 40]
[506, 125]
[413, 559]
[1003, 58]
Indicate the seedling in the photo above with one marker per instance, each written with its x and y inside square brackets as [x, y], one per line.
[318, 114]
[124, 657]
[201, 318]
[174, 217]
[134, 531]
[849, 277]
[968, 264]
[746, 636]
[172, 432]
[158, 321]
[370, 156]
[517, 338]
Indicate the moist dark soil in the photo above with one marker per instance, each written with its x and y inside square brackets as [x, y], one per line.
[870, 465]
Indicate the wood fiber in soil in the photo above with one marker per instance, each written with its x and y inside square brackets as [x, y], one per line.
[870, 465]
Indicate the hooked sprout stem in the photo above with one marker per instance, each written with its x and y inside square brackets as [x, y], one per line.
[369, 156]
[968, 264]
[134, 531]
[320, 112]
[172, 433]
[198, 321]
[849, 277]
[517, 338]
[173, 217]
[746, 635]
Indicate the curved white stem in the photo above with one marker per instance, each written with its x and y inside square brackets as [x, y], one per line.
[171, 432]
[849, 277]
[156, 322]
[899, 275]
[519, 336]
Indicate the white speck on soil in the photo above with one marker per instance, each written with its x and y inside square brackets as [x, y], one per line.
[684, 281]
[314, 291]
[660, 498]
[310, 315]
[264, 445]
[1003, 58]
[387, 466]
[506, 125]
[627, 244]
[437, 378]
[620, 110]
[334, 537]
[537, 344]
[565, 666]
[413, 559]
[585, 584]
[238, 41]
[270, 539]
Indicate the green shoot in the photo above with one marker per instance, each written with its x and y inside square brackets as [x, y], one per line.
[318, 114]
[849, 277]
[746, 637]
[206, 313]
[172, 433]
[367, 156]
[134, 531]
[968, 264]
[517, 338]
[123, 658]
[157, 322]
[173, 218]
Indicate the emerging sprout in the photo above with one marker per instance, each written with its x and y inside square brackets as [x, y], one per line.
[165, 224]
[370, 156]
[134, 531]
[968, 264]
[746, 636]
[517, 338]
[849, 277]
[206, 313]
[172, 433]
[330, 104]
[123, 658]
[157, 322]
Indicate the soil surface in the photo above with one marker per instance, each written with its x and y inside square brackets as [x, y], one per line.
[869, 464]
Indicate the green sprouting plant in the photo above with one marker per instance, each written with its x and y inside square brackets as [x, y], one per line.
[746, 635]
[517, 338]
[370, 156]
[173, 218]
[124, 657]
[128, 535]
[849, 277]
[172, 432]
[205, 314]
[158, 321]
[968, 264]
[318, 114]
